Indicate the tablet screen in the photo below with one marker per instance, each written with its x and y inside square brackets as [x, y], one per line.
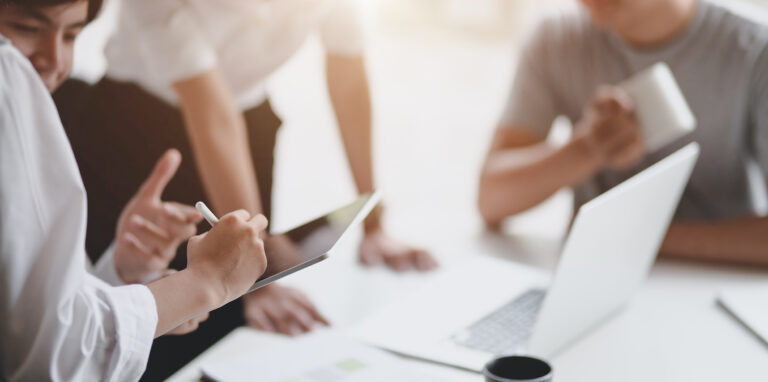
[310, 242]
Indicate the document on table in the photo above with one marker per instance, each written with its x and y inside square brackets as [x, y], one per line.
[321, 357]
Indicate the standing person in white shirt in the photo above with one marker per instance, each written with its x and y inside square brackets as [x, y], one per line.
[58, 322]
[191, 74]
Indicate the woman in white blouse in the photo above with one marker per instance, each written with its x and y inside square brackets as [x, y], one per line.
[191, 74]
[57, 321]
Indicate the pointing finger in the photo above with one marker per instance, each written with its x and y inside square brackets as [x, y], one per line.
[162, 173]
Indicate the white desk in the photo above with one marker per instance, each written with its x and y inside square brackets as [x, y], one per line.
[672, 331]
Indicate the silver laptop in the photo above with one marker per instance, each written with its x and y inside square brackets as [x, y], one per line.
[485, 307]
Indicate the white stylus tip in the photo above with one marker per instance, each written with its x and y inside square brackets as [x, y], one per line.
[207, 213]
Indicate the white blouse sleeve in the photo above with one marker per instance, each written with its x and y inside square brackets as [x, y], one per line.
[57, 322]
[341, 30]
[105, 268]
[169, 36]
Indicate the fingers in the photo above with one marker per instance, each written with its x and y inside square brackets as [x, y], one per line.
[181, 213]
[310, 308]
[400, 262]
[163, 172]
[282, 310]
[180, 224]
[289, 318]
[612, 99]
[300, 316]
[150, 261]
[425, 261]
[257, 318]
[149, 229]
[378, 247]
[235, 217]
[412, 259]
[260, 222]
[622, 134]
[629, 156]
[617, 132]
[277, 317]
[369, 257]
[158, 241]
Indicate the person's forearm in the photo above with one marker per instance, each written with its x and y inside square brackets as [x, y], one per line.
[219, 140]
[350, 96]
[742, 241]
[225, 167]
[515, 180]
[180, 297]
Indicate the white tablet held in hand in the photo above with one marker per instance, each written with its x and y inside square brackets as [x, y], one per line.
[662, 111]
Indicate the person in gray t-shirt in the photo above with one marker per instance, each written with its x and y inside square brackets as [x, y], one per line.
[721, 63]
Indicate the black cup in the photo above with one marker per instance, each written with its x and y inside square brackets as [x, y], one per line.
[517, 369]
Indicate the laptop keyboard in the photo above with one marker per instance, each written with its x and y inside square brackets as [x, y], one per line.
[505, 330]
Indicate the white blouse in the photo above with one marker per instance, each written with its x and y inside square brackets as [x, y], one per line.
[157, 43]
[57, 321]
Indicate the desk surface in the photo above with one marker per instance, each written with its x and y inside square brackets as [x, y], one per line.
[672, 330]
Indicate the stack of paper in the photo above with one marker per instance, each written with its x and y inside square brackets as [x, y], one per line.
[321, 357]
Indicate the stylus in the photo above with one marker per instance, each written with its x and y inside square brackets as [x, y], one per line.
[207, 213]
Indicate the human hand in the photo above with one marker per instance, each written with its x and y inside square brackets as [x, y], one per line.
[610, 129]
[275, 308]
[377, 247]
[230, 257]
[149, 231]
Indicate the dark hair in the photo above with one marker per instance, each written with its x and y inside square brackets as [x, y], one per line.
[94, 6]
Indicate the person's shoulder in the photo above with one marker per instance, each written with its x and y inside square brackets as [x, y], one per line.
[738, 25]
[11, 63]
[564, 29]
[17, 76]
[6, 51]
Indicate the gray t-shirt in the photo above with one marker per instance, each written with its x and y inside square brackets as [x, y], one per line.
[721, 64]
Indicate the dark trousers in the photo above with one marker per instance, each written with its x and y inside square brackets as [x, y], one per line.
[118, 131]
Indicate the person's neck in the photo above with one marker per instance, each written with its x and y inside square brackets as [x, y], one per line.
[658, 25]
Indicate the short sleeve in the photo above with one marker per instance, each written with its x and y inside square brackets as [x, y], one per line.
[341, 29]
[170, 38]
[532, 101]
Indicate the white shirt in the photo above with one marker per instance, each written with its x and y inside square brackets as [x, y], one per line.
[57, 321]
[157, 43]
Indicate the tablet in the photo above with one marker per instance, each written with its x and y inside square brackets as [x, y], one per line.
[311, 243]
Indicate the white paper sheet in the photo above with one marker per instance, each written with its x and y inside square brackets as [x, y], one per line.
[321, 357]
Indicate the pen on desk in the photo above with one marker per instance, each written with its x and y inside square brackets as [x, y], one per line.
[207, 213]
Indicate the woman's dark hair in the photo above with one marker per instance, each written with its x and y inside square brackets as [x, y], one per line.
[94, 6]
